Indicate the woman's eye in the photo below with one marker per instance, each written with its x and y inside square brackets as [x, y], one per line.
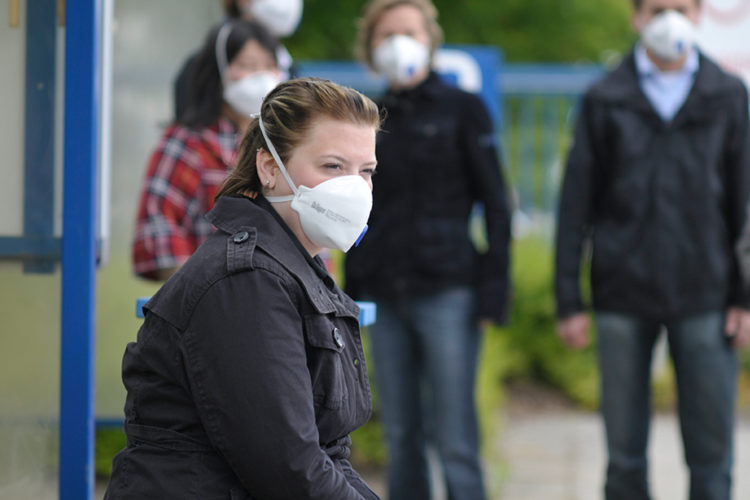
[368, 172]
[334, 166]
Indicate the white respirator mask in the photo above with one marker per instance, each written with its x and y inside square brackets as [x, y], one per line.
[246, 94]
[332, 214]
[669, 35]
[400, 57]
[279, 17]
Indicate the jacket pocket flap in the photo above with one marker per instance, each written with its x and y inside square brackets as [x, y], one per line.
[322, 333]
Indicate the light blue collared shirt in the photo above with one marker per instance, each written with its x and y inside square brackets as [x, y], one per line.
[665, 90]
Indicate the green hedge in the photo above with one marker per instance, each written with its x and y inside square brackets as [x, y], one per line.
[536, 352]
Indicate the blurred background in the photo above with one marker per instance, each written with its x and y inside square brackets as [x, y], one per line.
[551, 51]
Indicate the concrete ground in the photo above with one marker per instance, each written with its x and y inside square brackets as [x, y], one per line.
[547, 450]
[560, 455]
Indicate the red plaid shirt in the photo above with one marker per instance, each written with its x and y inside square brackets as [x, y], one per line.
[183, 176]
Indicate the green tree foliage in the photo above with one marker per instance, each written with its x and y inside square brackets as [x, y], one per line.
[526, 30]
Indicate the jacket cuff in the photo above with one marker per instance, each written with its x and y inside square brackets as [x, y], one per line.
[740, 298]
[493, 302]
[569, 308]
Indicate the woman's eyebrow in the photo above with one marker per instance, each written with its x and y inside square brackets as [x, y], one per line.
[341, 159]
[335, 157]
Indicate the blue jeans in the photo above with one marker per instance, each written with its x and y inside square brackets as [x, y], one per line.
[706, 373]
[425, 352]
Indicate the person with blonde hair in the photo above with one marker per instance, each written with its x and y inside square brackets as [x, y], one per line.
[248, 373]
[437, 158]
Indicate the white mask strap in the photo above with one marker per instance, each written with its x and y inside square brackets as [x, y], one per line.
[276, 157]
[221, 51]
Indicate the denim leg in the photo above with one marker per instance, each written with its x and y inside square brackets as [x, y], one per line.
[625, 345]
[450, 341]
[706, 371]
[396, 368]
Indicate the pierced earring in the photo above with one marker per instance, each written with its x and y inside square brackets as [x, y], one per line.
[268, 183]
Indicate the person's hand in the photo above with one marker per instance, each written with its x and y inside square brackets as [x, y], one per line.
[574, 330]
[737, 327]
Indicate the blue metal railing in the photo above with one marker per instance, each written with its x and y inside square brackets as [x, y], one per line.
[539, 111]
[367, 310]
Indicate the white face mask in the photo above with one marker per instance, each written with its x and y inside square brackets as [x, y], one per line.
[280, 17]
[400, 58]
[669, 35]
[332, 214]
[244, 95]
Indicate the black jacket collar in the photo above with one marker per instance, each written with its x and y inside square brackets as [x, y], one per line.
[234, 215]
[622, 86]
[430, 88]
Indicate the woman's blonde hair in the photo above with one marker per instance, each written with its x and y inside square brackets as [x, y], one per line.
[374, 10]
[288, 113]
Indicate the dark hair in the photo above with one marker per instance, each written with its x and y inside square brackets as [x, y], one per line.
[205, 89]
[638, 3]
[288, 112]
[231, 9]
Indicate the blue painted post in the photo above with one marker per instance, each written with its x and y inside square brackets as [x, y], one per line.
[78, 249]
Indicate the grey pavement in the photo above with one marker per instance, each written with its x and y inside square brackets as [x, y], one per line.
[560, 455]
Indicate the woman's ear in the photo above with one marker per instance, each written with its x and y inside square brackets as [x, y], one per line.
[266, 166]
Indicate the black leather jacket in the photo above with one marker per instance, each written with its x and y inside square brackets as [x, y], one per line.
[663, 202]
[248, 374]
[437, 156]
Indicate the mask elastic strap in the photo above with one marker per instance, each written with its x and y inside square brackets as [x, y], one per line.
[221, 51]
[276, 157]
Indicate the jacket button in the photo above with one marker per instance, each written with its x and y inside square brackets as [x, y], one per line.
[338, 338]
[240, 237]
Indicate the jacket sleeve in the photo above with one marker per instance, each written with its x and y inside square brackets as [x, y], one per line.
[574, 216]
[482, 161]
[247, 367]
[738, 185]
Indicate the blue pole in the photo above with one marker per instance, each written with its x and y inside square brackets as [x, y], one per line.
[80, 157]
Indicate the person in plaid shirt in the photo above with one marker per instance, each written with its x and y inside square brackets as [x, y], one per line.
[235, 68]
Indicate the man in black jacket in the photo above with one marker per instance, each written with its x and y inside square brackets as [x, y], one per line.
[658, 181]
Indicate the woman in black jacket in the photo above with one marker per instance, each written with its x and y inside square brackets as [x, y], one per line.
[436, 159]
[248, 374]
